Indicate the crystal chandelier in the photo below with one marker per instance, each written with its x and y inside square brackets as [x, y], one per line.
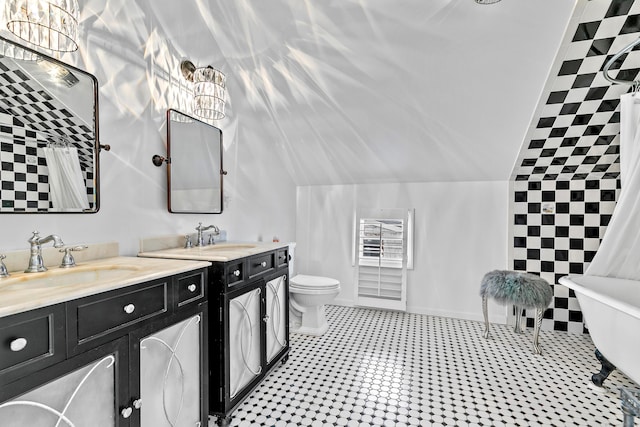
[48, 24]
[209, 90]
[487, 1]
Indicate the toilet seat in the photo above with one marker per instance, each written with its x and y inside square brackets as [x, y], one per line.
[313, 282]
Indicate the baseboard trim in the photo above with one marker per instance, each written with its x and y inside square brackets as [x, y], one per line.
[493, 318]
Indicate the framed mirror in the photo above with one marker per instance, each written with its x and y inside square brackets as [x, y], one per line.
[194, 166]
[49, 146]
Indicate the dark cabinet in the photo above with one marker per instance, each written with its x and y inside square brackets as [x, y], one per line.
[87, 389]
[249, 327]
[168, 385]
[31, 341]
[134, 356]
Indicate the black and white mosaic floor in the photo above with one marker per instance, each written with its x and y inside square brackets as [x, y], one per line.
[384, 368]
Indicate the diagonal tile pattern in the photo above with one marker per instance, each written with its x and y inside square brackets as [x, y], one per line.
[575, 134]
[386, 368]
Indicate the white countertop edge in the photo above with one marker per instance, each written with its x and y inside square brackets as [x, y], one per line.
[205, 253]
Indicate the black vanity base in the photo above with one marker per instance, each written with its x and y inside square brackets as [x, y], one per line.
[607, 368]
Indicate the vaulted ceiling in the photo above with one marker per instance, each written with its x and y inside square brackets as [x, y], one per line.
[356, 91]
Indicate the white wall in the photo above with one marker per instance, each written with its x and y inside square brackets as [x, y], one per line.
[460, 234]
[136, 64]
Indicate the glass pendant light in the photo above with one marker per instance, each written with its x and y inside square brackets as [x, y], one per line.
[48, 24]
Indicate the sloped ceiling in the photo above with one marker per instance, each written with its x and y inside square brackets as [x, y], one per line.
[375, 91]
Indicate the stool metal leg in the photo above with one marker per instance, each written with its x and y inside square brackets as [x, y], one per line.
[486, 317]
[536, 330]
[518, 327]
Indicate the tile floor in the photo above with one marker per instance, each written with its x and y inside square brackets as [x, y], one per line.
[385, 368]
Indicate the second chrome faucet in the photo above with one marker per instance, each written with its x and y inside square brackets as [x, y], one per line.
[200, 228]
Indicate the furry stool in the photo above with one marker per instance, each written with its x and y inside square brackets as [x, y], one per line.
[523, 290]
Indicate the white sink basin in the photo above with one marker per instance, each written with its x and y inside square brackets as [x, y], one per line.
[68, 277]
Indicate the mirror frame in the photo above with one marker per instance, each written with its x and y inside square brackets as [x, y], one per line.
[222, 172]
[96, 143]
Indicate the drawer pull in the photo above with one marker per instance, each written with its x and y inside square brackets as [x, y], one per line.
[192, 287]
[236, 273]
[126, 412]
[18, 344]
[137, 403]
[129, 308]
[263, 263]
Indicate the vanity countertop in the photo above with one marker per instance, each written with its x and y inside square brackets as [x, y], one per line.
[26, 291]
[221, 252]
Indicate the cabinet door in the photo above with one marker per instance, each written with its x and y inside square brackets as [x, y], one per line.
[171, 375]
[244, 331]
[277, 315]
[85, 390]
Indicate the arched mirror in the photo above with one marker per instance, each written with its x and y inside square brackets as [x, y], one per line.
[49, 149]
[194, 165]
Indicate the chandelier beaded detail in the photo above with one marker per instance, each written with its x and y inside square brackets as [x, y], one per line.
[48, 24]
[209, 90]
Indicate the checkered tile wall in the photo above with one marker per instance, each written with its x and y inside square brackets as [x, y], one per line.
[565, 182]
[557, 229]
[29, 116]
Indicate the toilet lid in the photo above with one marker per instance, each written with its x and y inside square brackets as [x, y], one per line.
[313, 282]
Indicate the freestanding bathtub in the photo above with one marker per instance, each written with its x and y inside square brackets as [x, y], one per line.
[611, 308]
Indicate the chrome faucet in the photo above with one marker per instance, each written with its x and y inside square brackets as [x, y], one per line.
[36, 264]
[3, 268]
[200, 228]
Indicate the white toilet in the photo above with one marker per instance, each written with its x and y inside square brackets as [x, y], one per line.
[307, 297]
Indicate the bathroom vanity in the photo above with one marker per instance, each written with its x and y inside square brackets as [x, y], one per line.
[249, 316]
[114, 342]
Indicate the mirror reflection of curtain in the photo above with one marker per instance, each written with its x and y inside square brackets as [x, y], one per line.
[66, 184]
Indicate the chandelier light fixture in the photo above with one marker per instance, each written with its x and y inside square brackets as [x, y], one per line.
[48, 24]
[209, 90]
[487, 1]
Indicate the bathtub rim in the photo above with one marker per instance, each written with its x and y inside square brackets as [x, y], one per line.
[573, 282]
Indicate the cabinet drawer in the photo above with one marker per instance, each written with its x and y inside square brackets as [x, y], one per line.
[282, 257]
[261, 263]
[190, 288]
[101, 314]
[234, 273]
[31, 341]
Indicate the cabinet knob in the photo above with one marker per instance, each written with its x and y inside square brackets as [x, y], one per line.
[129, 308]
[263, 263]
[265, 319]
[137, 403]
[236, 273]
[18, 344]
[126, 412]
[192, 287]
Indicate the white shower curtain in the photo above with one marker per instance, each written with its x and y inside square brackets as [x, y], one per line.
[66, 184]
[619, 251]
